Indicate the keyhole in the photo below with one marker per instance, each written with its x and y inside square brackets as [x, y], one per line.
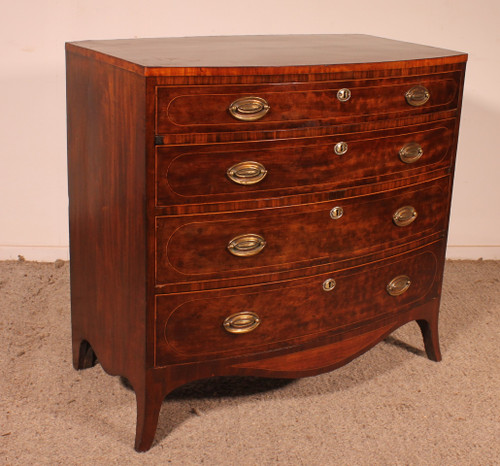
[336, 213]
[329, 284]
[344, 94]
[341, 148]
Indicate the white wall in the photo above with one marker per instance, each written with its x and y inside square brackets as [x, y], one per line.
[33, 193]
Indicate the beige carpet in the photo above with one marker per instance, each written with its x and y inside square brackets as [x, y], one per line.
[390, 406]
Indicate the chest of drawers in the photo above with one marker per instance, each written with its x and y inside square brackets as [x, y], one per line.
[270, 205]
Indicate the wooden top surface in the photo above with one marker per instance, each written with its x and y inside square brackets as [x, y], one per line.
[259, 51]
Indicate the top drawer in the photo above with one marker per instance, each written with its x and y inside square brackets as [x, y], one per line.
[202, 109]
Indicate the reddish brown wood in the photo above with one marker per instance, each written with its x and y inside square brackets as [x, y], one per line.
[187, 174]
[151, 209]
[202, 109]
[319, 196]
[239, 55]
[345, 347]
[314, 358]
[150, 394]
[429, 328]
[189, 327]
[194, 248]
[106, 170]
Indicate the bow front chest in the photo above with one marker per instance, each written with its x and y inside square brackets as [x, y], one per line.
[268, 206]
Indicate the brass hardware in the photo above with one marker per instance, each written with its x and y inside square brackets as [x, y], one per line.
[249, 108]
[341, 148]
[329, 284]
[344, 95]
[404, 215]
[398, 285]
[247, 173]
[417, 95]
[242, 322]
[246, 245]
[411, 152]
[336, 212]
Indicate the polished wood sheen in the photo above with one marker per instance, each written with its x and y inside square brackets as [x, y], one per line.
[189, 329]
[156, 289]
[199, 109]
[193, 248]
[173, 56]
[187, 174]
[106, 169]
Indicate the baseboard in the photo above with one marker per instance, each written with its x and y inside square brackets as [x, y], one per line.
[52, 253]
[34, 253]
[473, 252]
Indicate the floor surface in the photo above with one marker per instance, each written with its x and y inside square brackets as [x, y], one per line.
[390, 406]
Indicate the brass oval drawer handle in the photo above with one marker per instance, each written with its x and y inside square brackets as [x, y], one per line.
[411, 152]
[329, 284]
[417, 95]
[398, 285]
[247, 173]
[249, 108]
[246, 245]
[341, 148]
[344, 94]
[242, 322]
[404, 216]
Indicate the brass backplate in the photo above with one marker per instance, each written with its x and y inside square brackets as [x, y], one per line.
[417, 95]
[398, 285]
[404, 216]
[246, 245]
[249, 108]
[411, 152]
[247, 173]
[241, 322]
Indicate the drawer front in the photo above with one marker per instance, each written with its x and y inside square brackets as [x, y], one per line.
[211, 108]
[231, 172]
[274, 240]
[254, 319]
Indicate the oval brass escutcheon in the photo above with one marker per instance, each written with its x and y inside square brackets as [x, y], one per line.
[247, 173]
[329, 284]
[398, 285]
[341, 148]
[336, 212]
[417, 95]
[344, 94]
[246, 245]
[411, 152]
[404, 216]
[241, 322]
[249, 108]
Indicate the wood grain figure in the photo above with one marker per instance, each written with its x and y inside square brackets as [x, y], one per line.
[270, 206]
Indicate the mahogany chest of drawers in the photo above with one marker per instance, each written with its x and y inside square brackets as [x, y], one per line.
[269, 205]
